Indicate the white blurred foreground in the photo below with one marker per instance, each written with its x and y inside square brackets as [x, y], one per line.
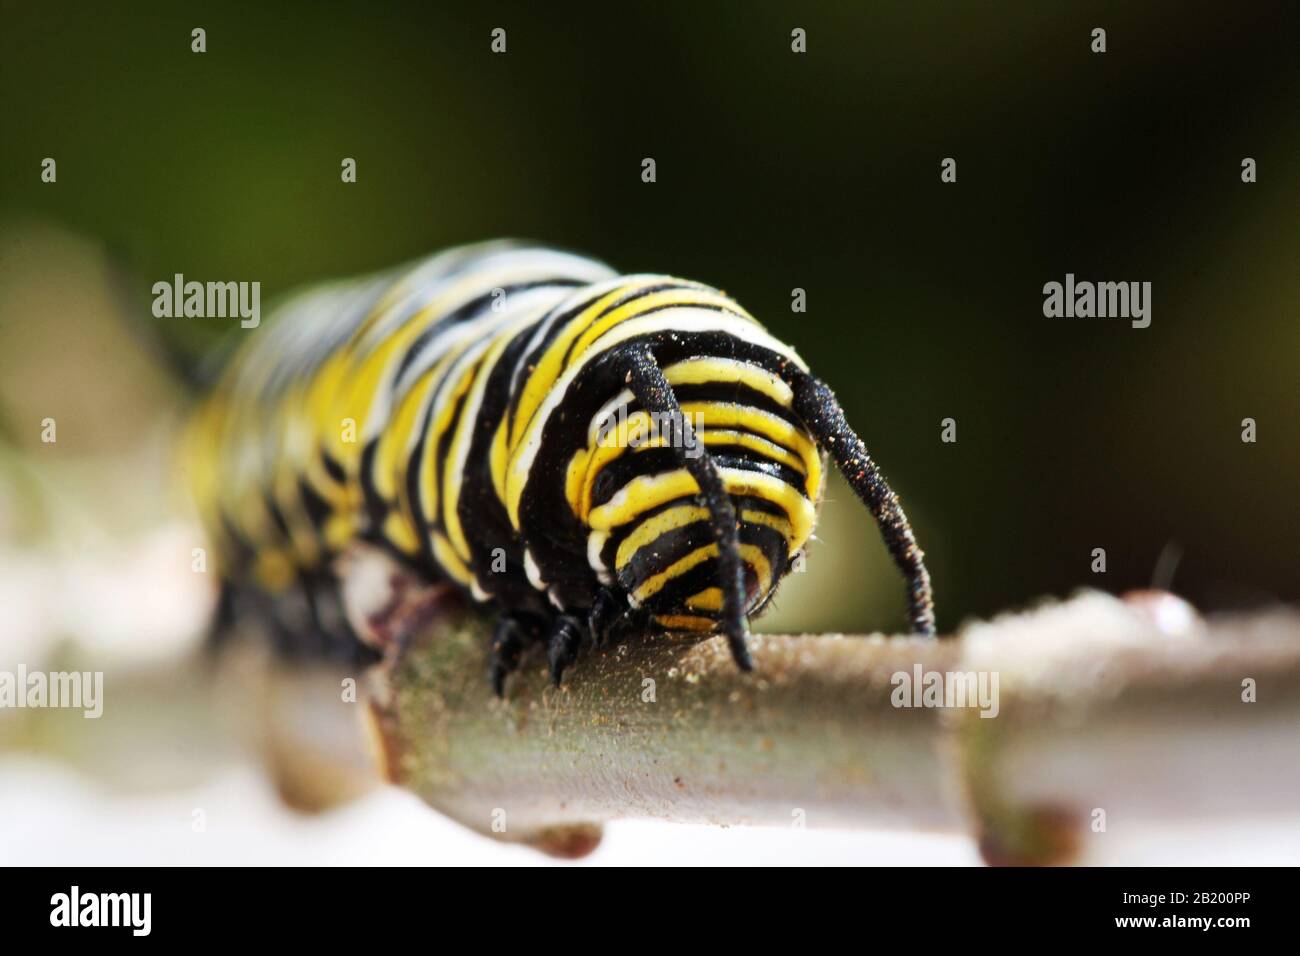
[52, 816]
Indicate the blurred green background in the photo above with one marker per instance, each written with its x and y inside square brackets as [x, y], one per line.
[775, 171]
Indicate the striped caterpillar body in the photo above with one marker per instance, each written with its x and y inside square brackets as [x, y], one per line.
[587, 452]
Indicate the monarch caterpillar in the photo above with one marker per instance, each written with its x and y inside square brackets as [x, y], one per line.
[585, 450]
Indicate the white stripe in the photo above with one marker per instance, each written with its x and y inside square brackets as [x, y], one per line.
[591, 294]
[533, 572]
[596, 544]
[607, 413]
[534, 301]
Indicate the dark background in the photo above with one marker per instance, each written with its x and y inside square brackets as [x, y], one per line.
[775, 170]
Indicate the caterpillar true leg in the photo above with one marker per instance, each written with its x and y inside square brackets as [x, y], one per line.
[567, 636]
[655, 395]
[508, 641]
[816, 404]
[605, 614]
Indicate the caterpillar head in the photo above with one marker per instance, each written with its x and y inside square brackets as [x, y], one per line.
[701, 520]
[656, 532]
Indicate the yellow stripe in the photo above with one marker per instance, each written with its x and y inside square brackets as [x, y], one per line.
[580, 333]
[647, 303]
[768, 449]
[449, 561]
[652, 528]
[709, 370]
[640, 495]
[710, 599]
[400, 534]
[655, 583]
[451, 475]
[644, 493]
[551, 364]
[321, 393]
[398, 438]
[339, 529]
[773, 427]
[370, 365]
[685, 622]
[356, 396]
[751, 554]
[539, 382]
[499, 457]
[775, 522]
[446, 407]
[273, 570]
[755, 557]
[587, 464]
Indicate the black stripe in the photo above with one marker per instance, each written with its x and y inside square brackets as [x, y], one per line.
[483, 517]
[735, 393]
[672, 597]
[635, 295]
[656, 461]
[562, 323]
[472, 310]
[616, 537]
